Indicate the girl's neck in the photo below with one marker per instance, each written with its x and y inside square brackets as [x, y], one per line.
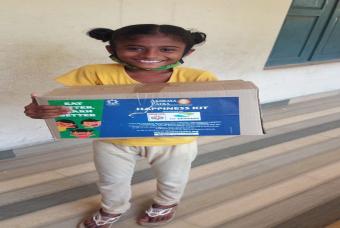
[149, 76]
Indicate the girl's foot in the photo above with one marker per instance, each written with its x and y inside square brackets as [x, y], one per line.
[158, 215]
[100, 219]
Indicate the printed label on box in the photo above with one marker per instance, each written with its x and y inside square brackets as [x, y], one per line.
[149, 117]
[176, 116]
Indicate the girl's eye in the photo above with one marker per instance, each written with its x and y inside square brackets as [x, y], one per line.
[135, 49]
[168, 49]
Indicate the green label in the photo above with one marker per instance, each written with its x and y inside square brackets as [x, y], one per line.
[83, 122]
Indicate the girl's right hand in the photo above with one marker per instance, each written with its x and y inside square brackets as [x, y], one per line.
[36, 111]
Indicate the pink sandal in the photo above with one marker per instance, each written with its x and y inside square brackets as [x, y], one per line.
[100, 220]
[154, 212]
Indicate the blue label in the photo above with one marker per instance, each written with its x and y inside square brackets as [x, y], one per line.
[170, 117]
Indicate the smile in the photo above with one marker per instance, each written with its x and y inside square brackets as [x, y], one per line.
[149, 61]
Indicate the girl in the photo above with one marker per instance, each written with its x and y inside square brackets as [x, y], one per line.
[146, 53]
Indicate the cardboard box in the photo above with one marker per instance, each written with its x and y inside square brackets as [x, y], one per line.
[157, 110]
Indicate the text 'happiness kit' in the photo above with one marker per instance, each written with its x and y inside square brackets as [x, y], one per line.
[156, 110]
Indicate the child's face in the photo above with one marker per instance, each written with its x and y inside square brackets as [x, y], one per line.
[92, 124]
[150, 51]
[66, 125]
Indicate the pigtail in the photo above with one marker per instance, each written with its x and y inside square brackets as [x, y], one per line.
[102, 34]
[198, 37]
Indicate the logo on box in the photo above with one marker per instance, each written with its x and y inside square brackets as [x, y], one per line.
[184, 116]
[174, 116]
[156, 117]
[184, 101]
[112, 102]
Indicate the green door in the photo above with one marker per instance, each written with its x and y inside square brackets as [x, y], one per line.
[310, 33]
[329, 45]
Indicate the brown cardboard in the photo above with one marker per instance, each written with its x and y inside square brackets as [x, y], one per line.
[246, 92]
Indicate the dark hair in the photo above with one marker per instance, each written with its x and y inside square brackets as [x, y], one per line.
[81, 130]
[89, 120]
[65, 121]
[189, 37]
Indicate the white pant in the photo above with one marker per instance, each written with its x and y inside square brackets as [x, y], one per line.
[115, 166]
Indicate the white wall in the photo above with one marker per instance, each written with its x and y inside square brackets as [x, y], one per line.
[41, 39]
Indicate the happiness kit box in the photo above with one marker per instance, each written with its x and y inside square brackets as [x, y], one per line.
[156, 110]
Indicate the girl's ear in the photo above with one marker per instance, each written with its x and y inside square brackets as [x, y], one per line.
[109, 48]
[189, 52]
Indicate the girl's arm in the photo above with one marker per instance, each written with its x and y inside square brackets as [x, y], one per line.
[36, 111]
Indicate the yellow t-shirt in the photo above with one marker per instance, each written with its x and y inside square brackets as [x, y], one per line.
[115, 74]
